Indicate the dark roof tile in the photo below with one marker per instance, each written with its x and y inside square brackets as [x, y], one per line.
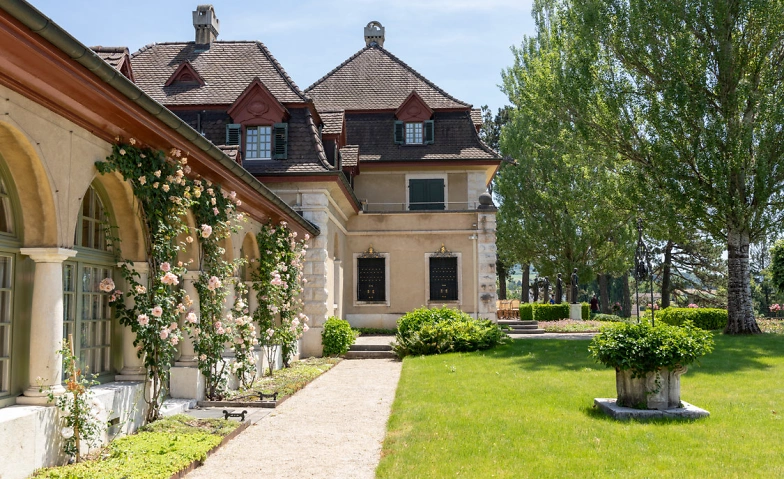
[350, 155]
[333, 122]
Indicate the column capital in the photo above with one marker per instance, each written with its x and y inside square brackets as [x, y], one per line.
[48, 255]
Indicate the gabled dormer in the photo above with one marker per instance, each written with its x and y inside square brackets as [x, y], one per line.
[185, 75]
[259, 126]
[413, 125]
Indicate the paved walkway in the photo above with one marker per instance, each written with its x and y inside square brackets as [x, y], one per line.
[331, 429]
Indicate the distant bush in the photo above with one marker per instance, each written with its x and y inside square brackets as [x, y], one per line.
[705, 318]
[444, 330]
[337, 336]
[526, 312]
[586, 311]
[611, 318]
[551, 312]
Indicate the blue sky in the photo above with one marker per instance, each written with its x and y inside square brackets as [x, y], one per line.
[460, 45]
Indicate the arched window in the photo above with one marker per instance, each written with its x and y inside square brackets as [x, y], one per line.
[9, 249]
[87, 315]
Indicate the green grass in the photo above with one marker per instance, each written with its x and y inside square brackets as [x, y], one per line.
[287, 381]
[157, 451]
[526, 410]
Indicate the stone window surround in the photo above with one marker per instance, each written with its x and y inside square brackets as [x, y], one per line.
[428, 176]
[459, 301]
[387, 281]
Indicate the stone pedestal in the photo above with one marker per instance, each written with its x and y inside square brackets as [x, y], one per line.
[486, 258]
[46, 325]
[656, 390]
[187, 382]
[133, 366]
[576, 311]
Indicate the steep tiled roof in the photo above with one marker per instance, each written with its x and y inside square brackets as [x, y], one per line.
[454, 134]
[374, 79]
[333, 122]
[305, 150]
[111, 55]
[350, 155]
[227, 68]
[476, 117]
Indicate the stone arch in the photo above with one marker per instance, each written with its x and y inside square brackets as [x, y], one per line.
[123, 210]
[39, 225]
[250, 249]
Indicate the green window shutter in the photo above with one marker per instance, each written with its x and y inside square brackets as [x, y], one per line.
[426, 194]
[280, 141]
[233, 133]
[400, 133]
[429, 132]
[435, 194]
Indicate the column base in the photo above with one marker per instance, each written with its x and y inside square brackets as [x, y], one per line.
[34, 397]
[310, 343]
[131, 374]
[186, 383]
[576, 311]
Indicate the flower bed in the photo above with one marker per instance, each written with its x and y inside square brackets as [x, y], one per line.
[772, 326]
[573, 326]
[159, 450]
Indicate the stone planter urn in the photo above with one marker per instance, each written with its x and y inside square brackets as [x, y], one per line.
[659, 389]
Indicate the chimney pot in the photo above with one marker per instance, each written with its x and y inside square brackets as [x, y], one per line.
[206, 24]
[374, 34]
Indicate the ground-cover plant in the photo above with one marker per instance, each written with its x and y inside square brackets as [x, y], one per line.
[157, 451]
[337, 336]
[612, 318]
[441, 330]
[289, 380]
[705, 318]
[773, 326]
[642, 348]
[375, 331]
[476, 414]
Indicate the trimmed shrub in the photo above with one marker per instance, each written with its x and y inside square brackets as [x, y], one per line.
[444, 330]
[705, 318]
[586, 310]
[551, 312]
[337, 336]
[611, 318]
[526, 312]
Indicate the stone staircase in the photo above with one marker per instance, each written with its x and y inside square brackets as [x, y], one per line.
[370, 351]
[520, 327]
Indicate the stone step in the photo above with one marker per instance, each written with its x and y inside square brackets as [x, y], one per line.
[509, 322]
[370, 355]
[522, 326]
[370, 347]
[526, 331]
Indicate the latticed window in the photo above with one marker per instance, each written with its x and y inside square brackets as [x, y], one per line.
[6, 211]
[413, 133]
[371, 279]
[87, 315]
[93, 223]
[6, 314]
[258, 143]
[443, 279]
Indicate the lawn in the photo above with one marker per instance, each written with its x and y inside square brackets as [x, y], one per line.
[526, 410]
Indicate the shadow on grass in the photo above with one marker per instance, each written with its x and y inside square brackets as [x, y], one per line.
[730, 354]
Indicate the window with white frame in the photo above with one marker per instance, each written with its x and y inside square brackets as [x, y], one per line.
[258, 142]
[414, 133]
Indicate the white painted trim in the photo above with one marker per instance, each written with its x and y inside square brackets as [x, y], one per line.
[387, 282]
[459, 281]
[428, 176]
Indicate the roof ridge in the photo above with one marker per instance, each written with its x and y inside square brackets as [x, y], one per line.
[346, 62]
[281, 71]
[322, 156]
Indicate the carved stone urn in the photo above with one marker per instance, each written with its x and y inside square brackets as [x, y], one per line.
[659, 389]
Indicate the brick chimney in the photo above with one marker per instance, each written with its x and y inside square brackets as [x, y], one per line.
[207, 26]
[374, 33]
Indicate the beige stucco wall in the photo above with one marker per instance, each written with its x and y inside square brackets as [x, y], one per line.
[391, 188]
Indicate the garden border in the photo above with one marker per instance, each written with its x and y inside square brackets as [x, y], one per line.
[198, 463]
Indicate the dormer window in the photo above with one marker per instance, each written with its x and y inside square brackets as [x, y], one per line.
[414, 133]
[258, 142]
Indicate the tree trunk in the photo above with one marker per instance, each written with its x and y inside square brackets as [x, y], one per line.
[626, 303]
[739, 307]
[666, 284]
[604, 295]
[501, 268]
[524, 293]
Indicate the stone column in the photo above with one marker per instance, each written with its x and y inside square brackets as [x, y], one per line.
[46, 325]
[315, 208]
[133, 366]
[186, 381]
[486, 259]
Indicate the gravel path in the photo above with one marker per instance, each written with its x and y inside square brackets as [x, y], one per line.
[331, 429]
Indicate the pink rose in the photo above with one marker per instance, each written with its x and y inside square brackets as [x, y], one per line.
[173, 326]
[107, 285]
[191, 317]
[170, 279]
[174, 340]
[157, 312]
[164, 333]
[206, 231]
[165, 267]
[143, 319]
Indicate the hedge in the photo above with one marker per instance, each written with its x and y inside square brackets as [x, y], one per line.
[443, 330]
[611, 318]
[705, 318]
[526, 312]
[586, 311]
